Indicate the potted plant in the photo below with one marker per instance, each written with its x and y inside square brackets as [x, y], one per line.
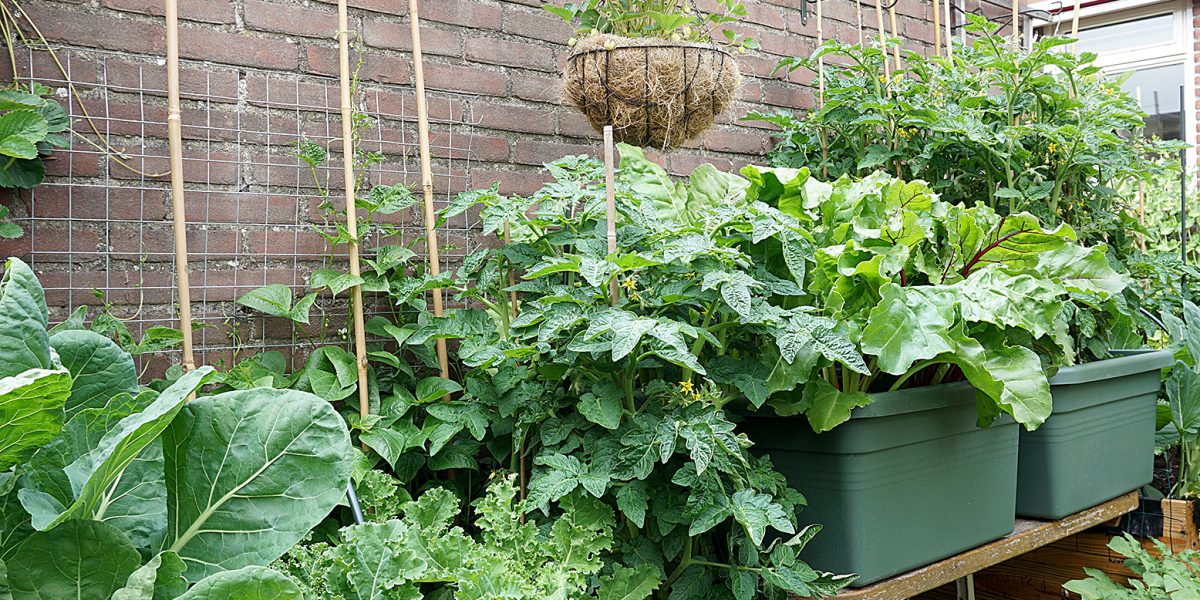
[652, 68]
[947, 304]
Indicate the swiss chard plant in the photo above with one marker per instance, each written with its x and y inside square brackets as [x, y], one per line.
[1039, 130]
[926, 290]
[112, 490]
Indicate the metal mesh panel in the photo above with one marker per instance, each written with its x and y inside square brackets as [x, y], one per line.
[98, 229]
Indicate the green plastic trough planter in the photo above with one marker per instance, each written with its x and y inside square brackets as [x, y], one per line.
[1099, 441]
[909, 480]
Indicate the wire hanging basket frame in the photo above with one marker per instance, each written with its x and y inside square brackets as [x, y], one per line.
[652, 94]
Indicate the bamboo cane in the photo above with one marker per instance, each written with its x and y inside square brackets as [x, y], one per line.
[937, 27]
[858, 4]
[427, 175]
[1016, 22]
[895, 33]
[360, 336]
[610, 202]
[882, 42]
[179, 216]
[821, 89]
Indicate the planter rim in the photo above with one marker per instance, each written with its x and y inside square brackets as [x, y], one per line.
[919, 399]
[1123, 363]
[627, 43]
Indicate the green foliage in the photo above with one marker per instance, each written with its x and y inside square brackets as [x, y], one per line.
[675, 20]
[100, 473]
[926, 290]
[1167, 576]
[276, 300]
[1038, 130]
[32, 125]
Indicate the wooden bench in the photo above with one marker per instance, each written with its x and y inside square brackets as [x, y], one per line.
[1026, 536]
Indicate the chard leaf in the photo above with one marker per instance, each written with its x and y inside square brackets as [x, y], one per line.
[1010, 376]
[249, 472]
[79, 560]
[908, 325]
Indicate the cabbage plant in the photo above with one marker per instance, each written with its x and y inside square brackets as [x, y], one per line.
[111, 490]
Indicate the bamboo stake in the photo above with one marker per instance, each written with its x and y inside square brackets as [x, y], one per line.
[1016, 22]
[820, 60]
[882, 42]
[426, 175]
[858, 4]
[895, 34]
[937, 27]
[610, 202]
[179, 216]
[360, 336]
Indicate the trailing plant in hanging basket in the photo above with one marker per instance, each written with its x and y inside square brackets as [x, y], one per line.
[652, 68]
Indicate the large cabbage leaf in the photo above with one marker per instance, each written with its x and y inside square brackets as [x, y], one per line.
[248, 474]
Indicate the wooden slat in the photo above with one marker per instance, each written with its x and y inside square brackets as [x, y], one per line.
[1026, 536]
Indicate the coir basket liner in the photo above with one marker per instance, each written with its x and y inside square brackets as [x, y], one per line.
[653, 92]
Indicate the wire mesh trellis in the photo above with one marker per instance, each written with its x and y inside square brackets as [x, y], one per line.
[99, 232]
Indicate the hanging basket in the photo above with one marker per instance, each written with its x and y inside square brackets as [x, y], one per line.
[653, 92]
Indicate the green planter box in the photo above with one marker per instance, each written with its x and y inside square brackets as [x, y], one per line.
[909, 480]
[1099, 441]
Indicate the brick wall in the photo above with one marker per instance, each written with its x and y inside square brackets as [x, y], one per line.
[494, 64]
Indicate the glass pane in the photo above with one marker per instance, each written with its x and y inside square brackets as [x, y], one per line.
[1158, 88]
[1140, 33]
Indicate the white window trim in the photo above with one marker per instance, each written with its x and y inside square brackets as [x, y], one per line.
[1116, 11]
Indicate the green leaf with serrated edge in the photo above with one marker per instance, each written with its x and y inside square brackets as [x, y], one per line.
[247, 583]
[24, 343]
[31, 410]
[595, 271]
[602, 405]
[828, 407]
[99, 369]
[95, 475]
[434, 388]
[272, 464]
[629, 583]
[568, 264]
[335, 281]
[909, 325]
[78, 560]
[633, 500]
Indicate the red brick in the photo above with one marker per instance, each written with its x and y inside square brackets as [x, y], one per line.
[523, 182]
[467, 13]
[509, 117]
[683, 164]
[473, 79]
[482, 147]
[242, 207]
[98, 31]
[282, 91]
[741, 141]
[537, 24]
[572, 123]
[238, 49]
[538, 88]
[376, 67]
[536, 152]
[204, 11]
[150, 78]
[306, 21]
[60, 201]
[398, 36]
[200, 165]
[513, 54]
[788, 96]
